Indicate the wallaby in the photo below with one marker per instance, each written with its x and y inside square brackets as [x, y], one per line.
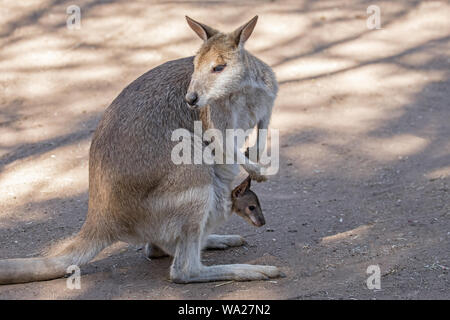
[245, 203]
[138, 195]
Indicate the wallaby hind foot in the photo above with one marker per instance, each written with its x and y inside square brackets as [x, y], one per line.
[216, 241]
[187, 267]
[213, 242]
[226, 272]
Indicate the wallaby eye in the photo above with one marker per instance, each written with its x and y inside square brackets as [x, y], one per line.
[251, 208]
[219, 68]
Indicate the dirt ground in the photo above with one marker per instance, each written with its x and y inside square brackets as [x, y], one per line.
[364, 143]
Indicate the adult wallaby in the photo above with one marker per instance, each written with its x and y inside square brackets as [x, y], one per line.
[137, 194]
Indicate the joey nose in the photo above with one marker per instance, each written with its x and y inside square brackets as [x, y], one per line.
[191, 98]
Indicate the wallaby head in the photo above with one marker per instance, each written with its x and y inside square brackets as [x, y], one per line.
[246, 204]
[219, 65]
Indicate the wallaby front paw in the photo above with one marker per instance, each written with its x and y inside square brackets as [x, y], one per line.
[252, 154]
[255, 172]
[258, 177]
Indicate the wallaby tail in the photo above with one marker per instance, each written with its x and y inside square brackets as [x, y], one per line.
[78, 250]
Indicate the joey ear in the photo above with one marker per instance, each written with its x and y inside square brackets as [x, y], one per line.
[249, 182]
[242, 33]
[202, 30]
[241, 189]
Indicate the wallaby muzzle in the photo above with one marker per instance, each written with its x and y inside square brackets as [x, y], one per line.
[191, 99]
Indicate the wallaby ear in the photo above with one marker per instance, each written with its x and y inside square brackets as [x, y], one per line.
[242, 33]
[242, 188]
[249, 182]
[202, 30]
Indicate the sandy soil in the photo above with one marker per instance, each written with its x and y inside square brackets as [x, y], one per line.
[364, 128]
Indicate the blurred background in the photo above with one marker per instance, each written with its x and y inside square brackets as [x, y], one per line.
[364, 128]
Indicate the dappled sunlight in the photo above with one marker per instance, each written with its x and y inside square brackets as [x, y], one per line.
[63, 169]
[309, 150]
[30, 53]
[35, 129]
[440, 173]
[357, 119]
[347, 235]
[365, 48]
[389, 149]
[310, 67]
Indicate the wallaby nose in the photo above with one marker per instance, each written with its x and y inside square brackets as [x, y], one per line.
[191, 98]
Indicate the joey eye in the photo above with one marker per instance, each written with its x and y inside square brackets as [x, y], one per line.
[219, 68]
[251, 208]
